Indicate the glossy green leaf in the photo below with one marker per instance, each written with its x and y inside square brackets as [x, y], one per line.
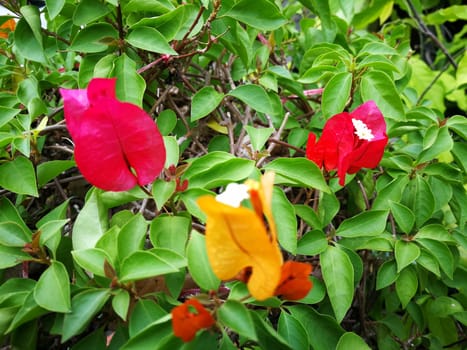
[12, 256]
[170, 232]
[323, 330]
[121, 303]
[92, 260]
[235, 315]
[293, 332]
[403, 216]
[441, 253]
[435, 232]
[429, 262]
[406, 285]
[350, 340]
[94, 38]
[444, 306]
[268, 337]
[52, 291]
[258, 136]
[286, 221]
[405, 253]
[162, 191]
[144, 264]
[379, 87]
[13, 234]
[254, 96]
[312, 243]
[49, 170]
[150, 39]
[338, 275]
[88, 11]
[204, 102]
[387, 274]
[336, 94]
[90, 224]
[299, 172]
[442, 143]
[130, 85]
[84, 306]
[54, 7]
[198, 263]
[18, 176]
[144, 313]
[132, 236]
[51, 234]
[368, 223]
[261, 14]
[6, 114]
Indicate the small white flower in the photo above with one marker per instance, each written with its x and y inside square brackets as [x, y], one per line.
[233, 195]
[362, 130]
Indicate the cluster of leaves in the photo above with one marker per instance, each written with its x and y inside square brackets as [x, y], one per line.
[235, 87]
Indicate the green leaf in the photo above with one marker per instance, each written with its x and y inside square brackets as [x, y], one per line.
[54, 7]
[18, 176]
[420, 199]
[31, 15]
[260, 14]
[90, 224]
[121, 303]
[336, 94]
[13, 235]
[204, 102]
[387, 274]
[338, 275]
[170, 232]
[144, 313]
[379, 87]
[350, 340]
[7, 114]
[51, 234]
[323, 330]
[172, 151]
[144, 264]
[285, 219]
[403, 216]
[254, 96]
[130, 85]
[94, 38]
[429, 262]
[162, 191]
[268, 337]
[52, 291]
[435, 232]
[150, 39]
[132, 236]
[299, 172]
[153, 336]
[88, 11]
[92, 260]
[12, 256]
[235, 315]
[166, 121]
[49, 170]
[368, 223]
[28, 311]
[258, 136]
[444, 306]
[406, 285]
[198, 263]
[441, 252]
[312, 243]
[293, 332]
[405, 253]
[84, 306]
[443, 143]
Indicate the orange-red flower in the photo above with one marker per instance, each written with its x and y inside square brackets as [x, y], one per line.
[294, 283]
[7, 27]
[189, 318]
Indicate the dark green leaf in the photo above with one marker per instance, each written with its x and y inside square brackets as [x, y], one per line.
[54, 7]
[336, 94]
[268, 337]
[387, 274]
[293, 332]
[94, 38]
[441, 253]
[204, 102]
[403, 216]
[88, 11]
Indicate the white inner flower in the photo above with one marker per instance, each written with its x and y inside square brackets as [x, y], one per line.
[233, 195]
[362, 130]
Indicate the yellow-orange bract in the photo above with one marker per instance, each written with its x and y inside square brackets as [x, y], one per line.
[6, 27]
[237, 238]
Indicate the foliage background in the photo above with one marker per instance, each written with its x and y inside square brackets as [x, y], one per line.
[232, 86]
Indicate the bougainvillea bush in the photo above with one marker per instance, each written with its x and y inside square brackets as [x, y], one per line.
[233, 174]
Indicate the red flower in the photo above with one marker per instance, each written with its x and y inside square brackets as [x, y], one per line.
[189, 318]
[350, 141]
[117, 144]
[294, 283]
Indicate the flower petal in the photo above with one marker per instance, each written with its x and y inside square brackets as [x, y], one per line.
[370, 114]
[294, 283]
[100, 88]
[75, 103]
[236, 238]
[186, 323]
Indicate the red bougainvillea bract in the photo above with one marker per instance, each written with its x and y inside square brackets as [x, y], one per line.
[350, 141]
[117, 144]
[189, 318]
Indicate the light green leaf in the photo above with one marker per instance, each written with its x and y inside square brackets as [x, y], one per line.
[352, 341]
[132, 236]
[204, 102]
[293, 332]
[299, 172]
[235, 315]
[254, 96]
[144, 264]
[368, 223]
[258, 136]
[170, 232]
[162, 190]
[7, 114]
[150, 39]
[52, 291]
[261, 14]
[94, 38]
[387, 274]
[54, 7]
[338, 275]
[336, 94]
[403, 216]
[92, 260]
[285, 219]
[405, 253]
[88, 11]
[49, 170]
[13, 234]
[121, 303]
[130, 85]
[18, 176]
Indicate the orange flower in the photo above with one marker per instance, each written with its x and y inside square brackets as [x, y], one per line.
[7, 27]
[189, 318]
[238, 238]
[294, 283]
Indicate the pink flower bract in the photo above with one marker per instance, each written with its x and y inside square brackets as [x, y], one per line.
[117, 144]
[350, 141]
